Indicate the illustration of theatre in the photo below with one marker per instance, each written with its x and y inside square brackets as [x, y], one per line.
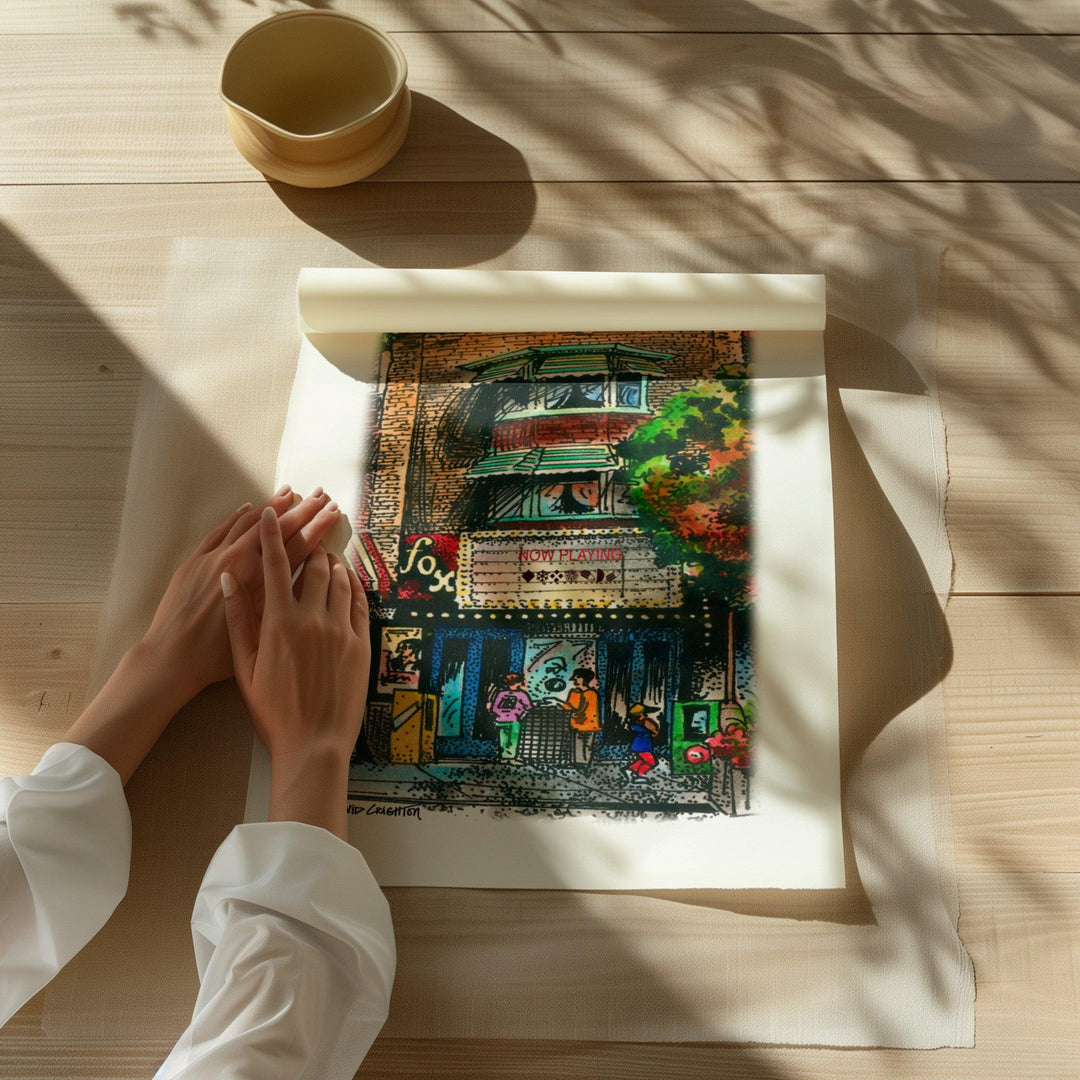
[497, 529]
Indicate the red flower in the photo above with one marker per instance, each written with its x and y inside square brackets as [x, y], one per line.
[697, 755]
[729, 744]
[744, 760]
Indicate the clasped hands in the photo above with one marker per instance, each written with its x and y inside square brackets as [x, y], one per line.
[300, 652]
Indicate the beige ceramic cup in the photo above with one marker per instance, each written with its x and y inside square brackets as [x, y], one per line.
[316, 98]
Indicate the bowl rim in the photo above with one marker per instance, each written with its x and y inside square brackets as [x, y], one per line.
[354, 166]
[380, 35]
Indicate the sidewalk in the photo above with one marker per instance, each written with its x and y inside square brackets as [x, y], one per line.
[601, 786]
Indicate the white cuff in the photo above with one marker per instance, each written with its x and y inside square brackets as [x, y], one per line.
[65, 851]
[295, 952]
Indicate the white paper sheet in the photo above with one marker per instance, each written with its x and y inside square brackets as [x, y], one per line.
[792, 835]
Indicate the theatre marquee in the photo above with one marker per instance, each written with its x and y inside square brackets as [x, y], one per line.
[563, 568]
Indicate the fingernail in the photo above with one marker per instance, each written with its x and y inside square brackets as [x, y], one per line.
[268, 514]
[317, 492]
[283, 490]
[244, 508]
[331, 507]
[228, 585]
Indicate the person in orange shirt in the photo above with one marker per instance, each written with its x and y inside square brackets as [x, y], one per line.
[583, 704]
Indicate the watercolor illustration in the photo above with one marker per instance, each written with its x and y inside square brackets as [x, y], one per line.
[555, 533]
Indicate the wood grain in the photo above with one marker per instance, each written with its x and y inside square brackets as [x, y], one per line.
[521, 110]
[582, 107]
[193, 23]
[43, 669]
[1021, 929]
[1012, 698]
[85, 296]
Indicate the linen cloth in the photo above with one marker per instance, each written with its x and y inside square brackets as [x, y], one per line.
[876, 964]
[293, 942]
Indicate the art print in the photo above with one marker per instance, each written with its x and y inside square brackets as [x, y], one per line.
[555, 531]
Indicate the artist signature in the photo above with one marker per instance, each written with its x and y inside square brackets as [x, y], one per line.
[387, 811]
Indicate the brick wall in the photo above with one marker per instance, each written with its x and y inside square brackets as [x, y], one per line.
[425, 449]
[392, 452]
[567, 428]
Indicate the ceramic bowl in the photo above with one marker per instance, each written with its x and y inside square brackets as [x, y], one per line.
[316, 98]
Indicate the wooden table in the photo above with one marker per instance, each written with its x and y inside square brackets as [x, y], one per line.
[543, 134]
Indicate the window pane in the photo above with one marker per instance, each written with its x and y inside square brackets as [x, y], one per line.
[558, 394]
[620, 499]
[629, 391]
[506, 502]
[569, 500]
[575, 395]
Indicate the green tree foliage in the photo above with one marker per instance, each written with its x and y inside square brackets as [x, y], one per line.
[689, 474]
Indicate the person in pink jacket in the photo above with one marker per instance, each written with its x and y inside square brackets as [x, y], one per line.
[511, 703]
[293, 940]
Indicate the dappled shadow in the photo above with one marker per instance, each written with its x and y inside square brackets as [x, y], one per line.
[797, 109]
[194, 21]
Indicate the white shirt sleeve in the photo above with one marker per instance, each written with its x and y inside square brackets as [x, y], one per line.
[295, 953]
[65, 850]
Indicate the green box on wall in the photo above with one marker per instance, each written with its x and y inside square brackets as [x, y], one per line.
[693, 722]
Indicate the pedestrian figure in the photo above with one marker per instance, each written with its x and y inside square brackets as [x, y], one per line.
[583, 704]
[509, 706]
[646, 728]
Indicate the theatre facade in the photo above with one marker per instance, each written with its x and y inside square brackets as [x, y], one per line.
[497, 530]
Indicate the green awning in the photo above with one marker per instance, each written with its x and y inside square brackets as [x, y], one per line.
[594, 364]
[506, 463]
[590, 457]
[504, 366]
[565, 458]
[561, 361]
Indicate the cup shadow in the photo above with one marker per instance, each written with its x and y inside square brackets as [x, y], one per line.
[446, 224]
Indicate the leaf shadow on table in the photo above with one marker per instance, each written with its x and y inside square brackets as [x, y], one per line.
[693, 227]
[196, 22]
[382, 221]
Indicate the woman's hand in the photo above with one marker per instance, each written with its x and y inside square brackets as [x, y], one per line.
[303, 670]
[188, 630]
[187, 647]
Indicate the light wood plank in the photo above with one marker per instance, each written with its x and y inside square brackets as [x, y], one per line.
[1022, 930]
[44, 665]
[1007, 360]
[582, 107]
[1012, 702]
[59, 551]
[195, 22]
